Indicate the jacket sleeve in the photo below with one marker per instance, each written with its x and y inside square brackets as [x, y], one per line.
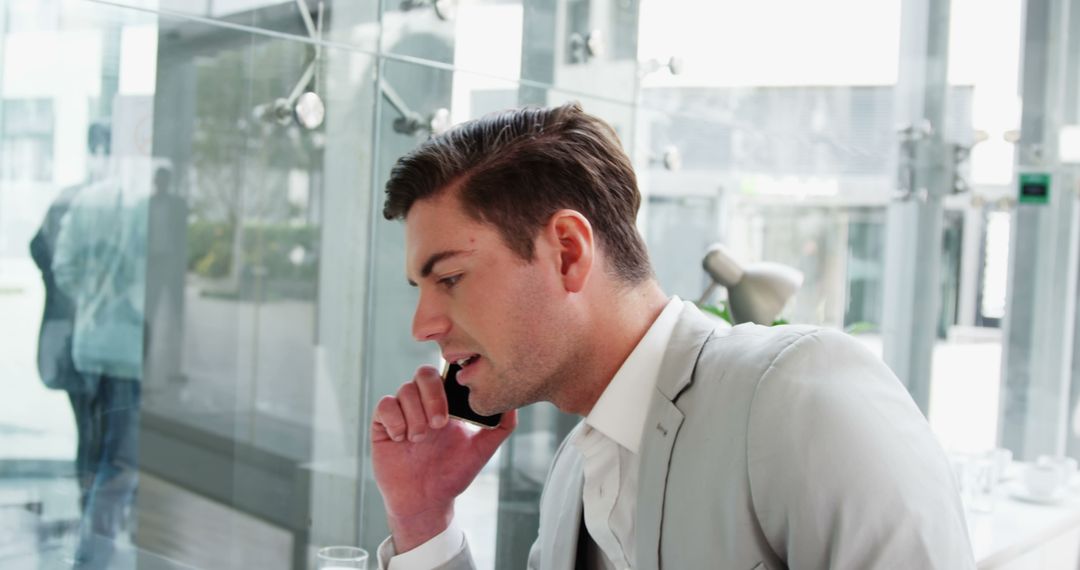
[435, 554]
[463, 561]
[844, 470]
[68, 260]
[44, 241]
[39, 252]
[534, 556]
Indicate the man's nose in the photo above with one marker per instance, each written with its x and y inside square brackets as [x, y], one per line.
[429, 321]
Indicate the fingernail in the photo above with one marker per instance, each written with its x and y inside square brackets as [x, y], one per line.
[438, 421]
[417, 438]
[399, 438]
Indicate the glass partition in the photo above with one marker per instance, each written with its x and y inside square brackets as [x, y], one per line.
[204, 288]
[259, 293]
[346, 23]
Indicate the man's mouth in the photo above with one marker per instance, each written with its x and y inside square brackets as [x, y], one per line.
[463, 362]
[467, 364]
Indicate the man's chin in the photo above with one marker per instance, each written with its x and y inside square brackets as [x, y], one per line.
[485, 408]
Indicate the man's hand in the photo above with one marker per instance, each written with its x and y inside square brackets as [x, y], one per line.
[423, 461]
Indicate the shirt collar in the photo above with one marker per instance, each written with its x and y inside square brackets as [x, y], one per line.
[620, 411]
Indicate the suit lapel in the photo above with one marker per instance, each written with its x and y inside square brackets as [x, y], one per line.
[662, 427]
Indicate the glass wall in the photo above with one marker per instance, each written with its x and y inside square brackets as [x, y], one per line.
[200, 302]
[191, 237]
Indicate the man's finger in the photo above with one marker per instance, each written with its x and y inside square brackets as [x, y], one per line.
[388, 414]
[416, 420]
[379, 433]
[432, 396]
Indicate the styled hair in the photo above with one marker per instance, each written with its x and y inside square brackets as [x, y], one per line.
[515, 169]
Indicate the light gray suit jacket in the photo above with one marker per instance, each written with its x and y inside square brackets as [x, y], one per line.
[773, 447]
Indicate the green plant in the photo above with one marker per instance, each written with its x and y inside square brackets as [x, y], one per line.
[209, 248]
[721, 310]
[861, 327]
[270, 246]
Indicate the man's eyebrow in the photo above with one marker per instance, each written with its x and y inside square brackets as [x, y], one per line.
[434, 258]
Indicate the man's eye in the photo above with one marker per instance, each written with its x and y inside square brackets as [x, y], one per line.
[450, 280]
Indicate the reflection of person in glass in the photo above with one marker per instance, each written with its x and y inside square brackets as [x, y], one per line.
[98, 263]
[166, 269]
[701, 446]
[58, 320]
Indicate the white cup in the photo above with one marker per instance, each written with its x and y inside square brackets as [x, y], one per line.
[1045, 478]
[1067, 466]
[1068, 469]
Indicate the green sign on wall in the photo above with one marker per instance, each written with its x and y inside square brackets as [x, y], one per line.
[1034, 188]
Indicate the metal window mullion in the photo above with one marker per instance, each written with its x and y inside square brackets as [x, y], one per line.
[1071, 115]
[1041, 305]
[913, 230]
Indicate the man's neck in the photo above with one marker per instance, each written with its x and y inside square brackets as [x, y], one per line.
[616, 332]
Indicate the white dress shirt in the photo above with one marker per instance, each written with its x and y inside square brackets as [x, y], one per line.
[609, 440]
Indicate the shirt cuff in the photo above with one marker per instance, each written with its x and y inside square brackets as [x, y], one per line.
[437, 551]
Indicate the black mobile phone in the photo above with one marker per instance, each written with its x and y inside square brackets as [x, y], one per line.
[457, 397]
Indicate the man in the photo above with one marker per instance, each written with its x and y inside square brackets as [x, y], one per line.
[752, 447]
[98, 261]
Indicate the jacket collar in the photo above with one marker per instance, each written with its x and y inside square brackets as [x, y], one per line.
[687, 340]
[662, 427]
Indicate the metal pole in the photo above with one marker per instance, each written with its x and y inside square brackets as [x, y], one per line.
[913, 232]
[1041, 304]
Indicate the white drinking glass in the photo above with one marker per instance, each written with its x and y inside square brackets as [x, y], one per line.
[982, 480]
[342, 558]
[1002, 459]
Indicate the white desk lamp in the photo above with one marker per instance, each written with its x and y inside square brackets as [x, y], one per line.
[756, 292]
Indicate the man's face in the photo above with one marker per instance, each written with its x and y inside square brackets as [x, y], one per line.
[483, 303]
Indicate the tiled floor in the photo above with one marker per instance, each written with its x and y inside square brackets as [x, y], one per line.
[39, 520]
[58, 556]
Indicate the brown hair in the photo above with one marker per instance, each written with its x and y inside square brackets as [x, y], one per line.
[516, 168]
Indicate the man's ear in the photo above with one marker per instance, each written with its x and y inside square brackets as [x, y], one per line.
[572, 237]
